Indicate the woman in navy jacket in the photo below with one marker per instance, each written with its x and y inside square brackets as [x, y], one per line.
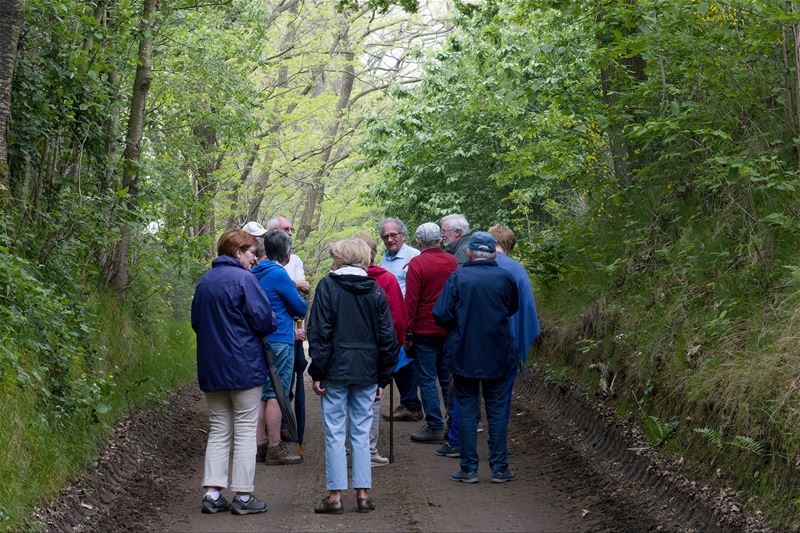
[230, 315]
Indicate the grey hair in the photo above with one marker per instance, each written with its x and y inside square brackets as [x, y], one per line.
[480, 254]
[277, 245]
[420, 235]
[273, 222]
[456, 221]
[401, 226]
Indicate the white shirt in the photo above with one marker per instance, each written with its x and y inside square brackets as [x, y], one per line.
[295, 268]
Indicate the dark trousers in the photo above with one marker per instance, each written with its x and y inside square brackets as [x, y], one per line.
[430, 368]
[300, 364]
[495, 398]
[406, 380]
[452, 419]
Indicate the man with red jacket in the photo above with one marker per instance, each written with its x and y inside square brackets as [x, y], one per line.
[427, 274]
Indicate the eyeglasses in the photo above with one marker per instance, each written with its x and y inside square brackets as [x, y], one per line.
[390, 236]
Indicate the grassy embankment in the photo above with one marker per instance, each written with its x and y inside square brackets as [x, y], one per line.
[70, 366]
[694, 309]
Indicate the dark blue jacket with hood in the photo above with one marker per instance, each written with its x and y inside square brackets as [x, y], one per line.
[230, 315]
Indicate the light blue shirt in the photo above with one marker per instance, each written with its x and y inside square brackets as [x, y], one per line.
[398, 264]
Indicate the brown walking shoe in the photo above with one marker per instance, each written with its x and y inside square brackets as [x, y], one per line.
[426, 434]
[280, 454]
[403, 414]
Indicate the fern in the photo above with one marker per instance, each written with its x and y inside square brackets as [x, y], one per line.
[710, 434]
[748, 444]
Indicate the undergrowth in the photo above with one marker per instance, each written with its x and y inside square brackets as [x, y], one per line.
[694, 310]
[72, 362]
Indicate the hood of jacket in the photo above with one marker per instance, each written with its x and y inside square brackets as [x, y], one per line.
[226, 260]
[264, 267]
[375, 271]
[354, 283]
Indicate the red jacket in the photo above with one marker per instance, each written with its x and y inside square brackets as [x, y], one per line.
[394, 297]
[427, 274]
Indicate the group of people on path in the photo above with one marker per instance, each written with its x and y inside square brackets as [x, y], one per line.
[453, 322]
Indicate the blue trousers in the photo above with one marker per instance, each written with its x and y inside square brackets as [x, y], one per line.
[430, 367]
[406, 380]
[340, 404]
[495, 397]
[453, 429]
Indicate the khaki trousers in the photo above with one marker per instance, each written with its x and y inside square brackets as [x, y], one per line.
[232, 417]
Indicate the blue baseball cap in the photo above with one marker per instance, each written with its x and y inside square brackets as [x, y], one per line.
[480, 241]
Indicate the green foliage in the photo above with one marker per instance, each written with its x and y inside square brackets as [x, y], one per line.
[646, 154]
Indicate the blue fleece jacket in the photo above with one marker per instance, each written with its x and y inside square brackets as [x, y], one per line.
[524, 324]
[230, 315]
[283, 295]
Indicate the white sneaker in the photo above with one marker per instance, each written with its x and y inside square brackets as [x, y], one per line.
[379, 460]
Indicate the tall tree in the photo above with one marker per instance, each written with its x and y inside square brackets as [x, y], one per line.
[133, 138]
[11, 20]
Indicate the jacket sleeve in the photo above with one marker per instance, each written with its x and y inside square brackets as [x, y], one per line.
[387, 346]
[413, 288]
[444, 310]
[288, 291]
[513, 305]
[397, 307]
[320, 332]
[257, 309]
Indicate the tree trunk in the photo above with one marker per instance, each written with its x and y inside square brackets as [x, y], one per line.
[133, 137]
[11, 20]
[612, 84]
[309, 219]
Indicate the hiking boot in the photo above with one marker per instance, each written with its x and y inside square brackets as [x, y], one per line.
[211, 506]
[327, 506]
[445, 450]
[379, 460]
[251, 506]
[403, 414]
[426, 434]
[280, 454]
[465, 477]
[501, 476]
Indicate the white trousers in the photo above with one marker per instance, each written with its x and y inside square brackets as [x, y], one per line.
[232, 418]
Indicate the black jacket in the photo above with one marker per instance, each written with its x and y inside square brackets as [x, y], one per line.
[350, 335]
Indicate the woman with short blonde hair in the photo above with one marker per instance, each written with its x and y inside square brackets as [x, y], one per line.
[353, 349]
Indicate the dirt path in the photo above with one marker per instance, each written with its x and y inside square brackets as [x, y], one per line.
[149, 480]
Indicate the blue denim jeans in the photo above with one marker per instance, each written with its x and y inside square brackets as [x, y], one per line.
[429, 366]
[453, 430]
[338, 404]
[495, 397]
[284, 363]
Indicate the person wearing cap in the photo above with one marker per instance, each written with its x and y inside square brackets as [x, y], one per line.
[393, 232]
[427, 274]
[455, 236]
[523, 327]
[474, 307]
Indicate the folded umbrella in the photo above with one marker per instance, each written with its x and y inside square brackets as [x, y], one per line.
[288, 421]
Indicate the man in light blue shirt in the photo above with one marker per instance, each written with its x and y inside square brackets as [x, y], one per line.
[393, 233]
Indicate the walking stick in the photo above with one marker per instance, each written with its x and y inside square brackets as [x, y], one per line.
[391, 420]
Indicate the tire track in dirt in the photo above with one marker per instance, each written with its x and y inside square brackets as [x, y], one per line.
[149, 477]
